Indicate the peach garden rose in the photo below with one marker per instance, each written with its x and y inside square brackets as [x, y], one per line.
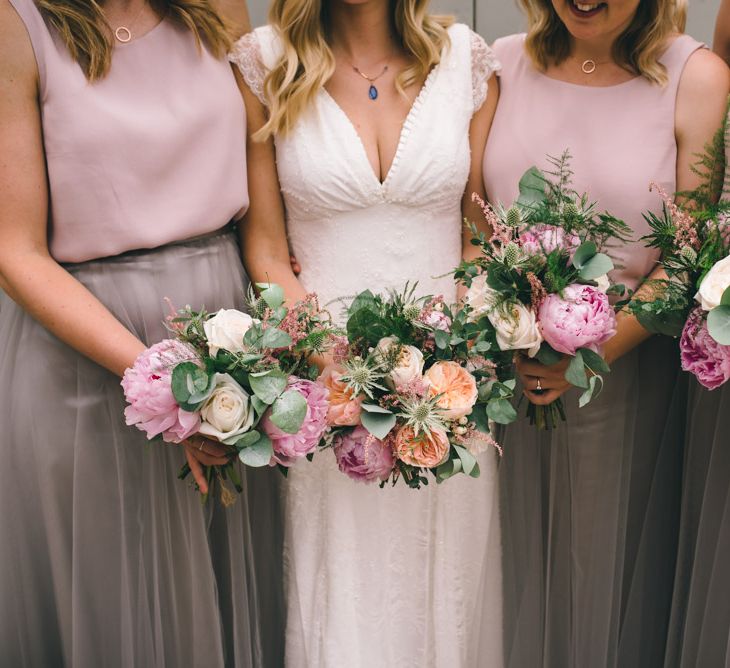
[457, 388]
[345, 409]
[428, 449]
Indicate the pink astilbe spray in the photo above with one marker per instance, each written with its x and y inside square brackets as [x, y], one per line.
[501, 233]
[686, 232]
[538, 293]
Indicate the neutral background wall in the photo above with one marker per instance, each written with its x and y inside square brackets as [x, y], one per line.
[494, 18]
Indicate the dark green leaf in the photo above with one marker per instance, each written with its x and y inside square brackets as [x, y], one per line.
[594, 361]
[479, 417]
[547, 355]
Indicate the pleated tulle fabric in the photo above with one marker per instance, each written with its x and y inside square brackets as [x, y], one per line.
[106, 558]
[590, 519]
[700, 623]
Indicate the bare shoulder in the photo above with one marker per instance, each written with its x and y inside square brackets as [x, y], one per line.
[17, 60]
[705, 72]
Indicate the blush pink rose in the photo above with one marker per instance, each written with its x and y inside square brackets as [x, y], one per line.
[148, 389]
[344, 409]
[581, 318]
[427, 450]
[456, 387]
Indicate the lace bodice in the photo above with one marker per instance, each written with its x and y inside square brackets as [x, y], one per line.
[336, 206]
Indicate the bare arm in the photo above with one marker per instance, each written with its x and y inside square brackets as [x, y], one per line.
[28, 273]
[263, 229]
[478, 133]
[721, 42]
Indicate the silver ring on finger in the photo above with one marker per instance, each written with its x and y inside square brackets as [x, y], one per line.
[201, 448]
[538, 387]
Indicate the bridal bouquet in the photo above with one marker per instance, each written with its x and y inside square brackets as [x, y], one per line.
[241, 380]
[412, 391]
[540, 286]
[694, 301]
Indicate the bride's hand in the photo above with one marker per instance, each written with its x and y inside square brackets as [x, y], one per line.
[200, 452]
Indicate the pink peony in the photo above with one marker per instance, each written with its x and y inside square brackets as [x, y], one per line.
[544, 239]
[148, 390]
[581, 318]
[344, 408]
[290, 447]
[363, 457]
[701, 355]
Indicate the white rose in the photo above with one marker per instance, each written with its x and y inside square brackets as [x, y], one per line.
[714, 284]
[227, 413]
[409, 365]
[603, 283]
[516, 327]
[226, 330]
[480, 297]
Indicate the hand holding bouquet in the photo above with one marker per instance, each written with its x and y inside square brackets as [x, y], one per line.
[409, 395]
[540, 287]
[240, 380]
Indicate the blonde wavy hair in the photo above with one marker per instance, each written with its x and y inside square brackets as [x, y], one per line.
[307, 62]
[88, 36]
[638, 48]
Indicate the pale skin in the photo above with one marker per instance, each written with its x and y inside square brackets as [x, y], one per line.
[705, 77]
[721, 42]
[361, 36]
[28, 273]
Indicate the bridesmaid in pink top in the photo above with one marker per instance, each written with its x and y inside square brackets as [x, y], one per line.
[122, 163]
[590, 510]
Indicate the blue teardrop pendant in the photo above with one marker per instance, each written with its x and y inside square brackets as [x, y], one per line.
[373, 92]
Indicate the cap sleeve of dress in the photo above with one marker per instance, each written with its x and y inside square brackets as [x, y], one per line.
[246, 55]
[484, 63]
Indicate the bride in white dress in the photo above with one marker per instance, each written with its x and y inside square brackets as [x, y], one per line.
[374, 577]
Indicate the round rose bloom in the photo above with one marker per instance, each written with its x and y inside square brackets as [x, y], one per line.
[427, 450]
[148, 389]
[456, 387]
[582, 318]
[409, 365]
[227, 413]
[226, 329]
[363, 457]
[516, 327]
[715, 282]
[544, 239]
[701, 355]
[344, 409]
[290, 447]
[480, 297]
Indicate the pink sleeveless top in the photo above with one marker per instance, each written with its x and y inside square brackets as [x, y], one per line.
[621, 139]
[153, 153]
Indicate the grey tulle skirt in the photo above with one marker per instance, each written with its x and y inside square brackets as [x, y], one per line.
[106, 558]
[699, 633]
[590, 520]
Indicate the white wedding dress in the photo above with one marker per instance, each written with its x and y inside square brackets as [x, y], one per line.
[385, 577]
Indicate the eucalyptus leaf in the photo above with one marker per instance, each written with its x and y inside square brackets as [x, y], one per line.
[275, 338]
[248, 439]
[593, 383]
[268, 386]
[599, 265]
[374, 408]
[532, 188]
[479, 417]
[725, 299]
[501, 411]
[378, 424]
[288, 411]
[441, 338]
[186, 379]
[584, 253]
[259, 453]
[718, 324]
[575, 374]
[258, 405]
[448, 469]
[666, 323]
[272, 294]
[468, 461]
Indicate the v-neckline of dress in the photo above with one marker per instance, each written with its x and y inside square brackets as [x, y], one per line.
[402, 137]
